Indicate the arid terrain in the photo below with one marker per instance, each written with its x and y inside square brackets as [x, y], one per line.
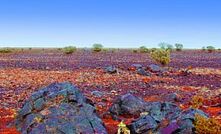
[191, 75]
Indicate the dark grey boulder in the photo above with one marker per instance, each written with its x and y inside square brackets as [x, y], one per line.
[111, 69]
[165, 110]
[155, 68]
[186, 120]
[127, 104]
[58, 108]
[143, 72]
[143, 125]
[173, 97]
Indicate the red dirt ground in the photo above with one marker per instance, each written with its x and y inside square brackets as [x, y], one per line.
[23, 73]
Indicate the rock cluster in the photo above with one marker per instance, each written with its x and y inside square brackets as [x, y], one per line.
[155, 117]
[58, 108]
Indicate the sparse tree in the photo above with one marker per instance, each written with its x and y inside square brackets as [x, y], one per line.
[169, 47]
[179, 46]
[164, 45]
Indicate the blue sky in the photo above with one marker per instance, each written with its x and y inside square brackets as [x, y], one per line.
[114, 23]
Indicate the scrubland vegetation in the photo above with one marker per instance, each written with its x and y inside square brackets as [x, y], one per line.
[126, 87]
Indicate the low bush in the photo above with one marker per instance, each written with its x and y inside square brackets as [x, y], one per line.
[135, 50]
[143, 49]
[69, 49]
[5, 50]
[161, 56]
[197, 101]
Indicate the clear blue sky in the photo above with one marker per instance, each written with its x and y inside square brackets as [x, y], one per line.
[114, 23]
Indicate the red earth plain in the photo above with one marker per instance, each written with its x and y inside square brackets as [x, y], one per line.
[23, 72]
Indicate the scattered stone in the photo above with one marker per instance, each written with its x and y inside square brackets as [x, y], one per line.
[47, 68]
[58, 108]
[97, 93]
[155, 68]
[173, 97]
[136, 66]
[111, 69]
[141, 71]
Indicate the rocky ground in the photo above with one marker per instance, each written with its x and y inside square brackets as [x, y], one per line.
[105, 77]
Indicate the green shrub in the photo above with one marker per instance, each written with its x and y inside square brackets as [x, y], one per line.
[69, 49]
[179, 46]
[210, 49]
[97, 47]
[161, 56]
[143, 49]
[135, 50]
[5, 50]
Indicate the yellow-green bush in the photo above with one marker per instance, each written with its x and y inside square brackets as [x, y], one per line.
[161, 56]
[197, 101]
[206, 126]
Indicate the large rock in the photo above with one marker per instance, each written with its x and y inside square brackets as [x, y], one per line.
[143, 124]
[128, 104]
[155, 68]
[187, 118]
[143, 72]
[181, 123]
[58, 108]
[163, 110]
